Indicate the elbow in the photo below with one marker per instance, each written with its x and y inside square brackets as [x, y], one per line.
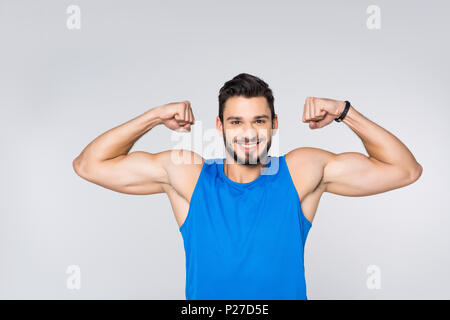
[416, 173]
[79, 166]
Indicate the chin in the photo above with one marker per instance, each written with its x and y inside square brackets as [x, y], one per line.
[248, 159]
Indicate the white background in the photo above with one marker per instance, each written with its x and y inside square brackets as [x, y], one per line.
[61, 88]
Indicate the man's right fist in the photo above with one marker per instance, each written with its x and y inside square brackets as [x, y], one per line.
[177, 116]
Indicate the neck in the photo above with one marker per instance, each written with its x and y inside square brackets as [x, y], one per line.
[243, 173]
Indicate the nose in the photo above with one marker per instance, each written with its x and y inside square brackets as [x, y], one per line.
[249, 135]
[248, 129]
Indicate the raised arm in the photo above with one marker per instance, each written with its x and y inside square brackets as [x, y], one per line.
[106, 161]
[389, 164]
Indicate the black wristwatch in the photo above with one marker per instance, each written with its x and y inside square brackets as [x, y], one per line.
[344, 113]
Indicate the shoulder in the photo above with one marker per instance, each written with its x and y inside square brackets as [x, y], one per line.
[183, 168]
[306, 166]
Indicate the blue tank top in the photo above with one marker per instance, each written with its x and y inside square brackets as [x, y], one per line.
[245, 241]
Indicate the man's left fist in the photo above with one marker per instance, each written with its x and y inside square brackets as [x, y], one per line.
[321, 111]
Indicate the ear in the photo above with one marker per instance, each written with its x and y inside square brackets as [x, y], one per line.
[219, 126]
[275, 125]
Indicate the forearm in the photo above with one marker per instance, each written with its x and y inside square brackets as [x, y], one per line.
[379, 143]
[119, 140]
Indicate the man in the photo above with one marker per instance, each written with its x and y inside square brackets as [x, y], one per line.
[245, 219]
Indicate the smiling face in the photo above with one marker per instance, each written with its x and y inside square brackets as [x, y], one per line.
[247, 129]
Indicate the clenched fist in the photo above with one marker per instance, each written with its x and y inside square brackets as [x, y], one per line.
[321, 111]
[177, 116]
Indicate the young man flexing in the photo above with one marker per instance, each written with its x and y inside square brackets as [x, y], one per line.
[245, 219]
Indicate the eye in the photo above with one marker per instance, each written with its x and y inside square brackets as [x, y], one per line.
[260, 121]
[233, 122]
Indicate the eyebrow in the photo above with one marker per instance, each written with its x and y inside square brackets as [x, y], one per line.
[255, 117]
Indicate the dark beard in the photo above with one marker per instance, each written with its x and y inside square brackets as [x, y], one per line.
[260, 159]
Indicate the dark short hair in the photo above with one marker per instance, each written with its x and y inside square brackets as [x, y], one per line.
[247, 86]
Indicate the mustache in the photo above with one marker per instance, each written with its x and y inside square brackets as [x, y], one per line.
[249, 140]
